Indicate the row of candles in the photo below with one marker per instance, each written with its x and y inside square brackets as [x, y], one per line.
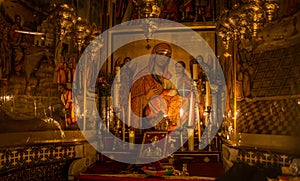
[8, 100]
[190, 128]
[194, 110]
[192, 103]
[195, 77]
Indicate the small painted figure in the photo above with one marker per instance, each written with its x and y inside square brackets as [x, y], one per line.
[200, 6]
[186, 9]
[170, 10]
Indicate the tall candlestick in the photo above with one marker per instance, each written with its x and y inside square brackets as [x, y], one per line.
[131, 139]
[84, 76]
[34, 103]
[181, 128]
[117, 74]
[180, 119]
[107, 114]
[129, 110]
[103, 108]
[116, 94]
[108, 120]
[195, 71]
[190, 139]
[190, 110]
[207, 94]
[181, 141]
[198, 123]
[235, 48]
[123, 127]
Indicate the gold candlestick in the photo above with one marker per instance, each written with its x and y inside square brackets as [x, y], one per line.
[181, 129]
[129, 110]
[34, 103]
[190, 139]
[191, 110]
[131, 139]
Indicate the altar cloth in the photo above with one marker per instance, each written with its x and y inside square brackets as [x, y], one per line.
[137, 177]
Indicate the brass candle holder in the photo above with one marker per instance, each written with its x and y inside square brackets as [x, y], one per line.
[191, 144]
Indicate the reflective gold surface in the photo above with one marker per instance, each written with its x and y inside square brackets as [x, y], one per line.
[245, 20]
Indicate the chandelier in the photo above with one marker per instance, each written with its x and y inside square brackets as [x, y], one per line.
[69, 23]
[64, 17]
[148, 11]
[245, 20]
[81, 31]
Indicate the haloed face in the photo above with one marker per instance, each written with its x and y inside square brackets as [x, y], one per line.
[178, 68]
[161, 60]
[199, 59]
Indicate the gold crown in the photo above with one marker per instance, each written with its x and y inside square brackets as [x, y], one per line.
[165, 52]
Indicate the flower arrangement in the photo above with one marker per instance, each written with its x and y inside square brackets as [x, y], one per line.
[157, 169]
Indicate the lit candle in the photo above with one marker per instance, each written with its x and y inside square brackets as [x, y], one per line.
[129, 110]
[108, 99]
[4, 96]
[103, 108]
[117, 74]
[180, 122]
[116, 94]
[108, 117]
[198, 124]
[190, 110]
[181, 126]
[34, 103]
[207, 93]
[181, 114]
[195, 71]
[123, 128]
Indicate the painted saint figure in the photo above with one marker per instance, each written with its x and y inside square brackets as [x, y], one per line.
[186, 9]
[15, 37]
[67, 100]
[184, 88]
[61, 72]
[200, 6]
[170, 10]
[151, 94]
[15, 40]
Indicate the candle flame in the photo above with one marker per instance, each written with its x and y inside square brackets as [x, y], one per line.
[181, 112]
[226, 54]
